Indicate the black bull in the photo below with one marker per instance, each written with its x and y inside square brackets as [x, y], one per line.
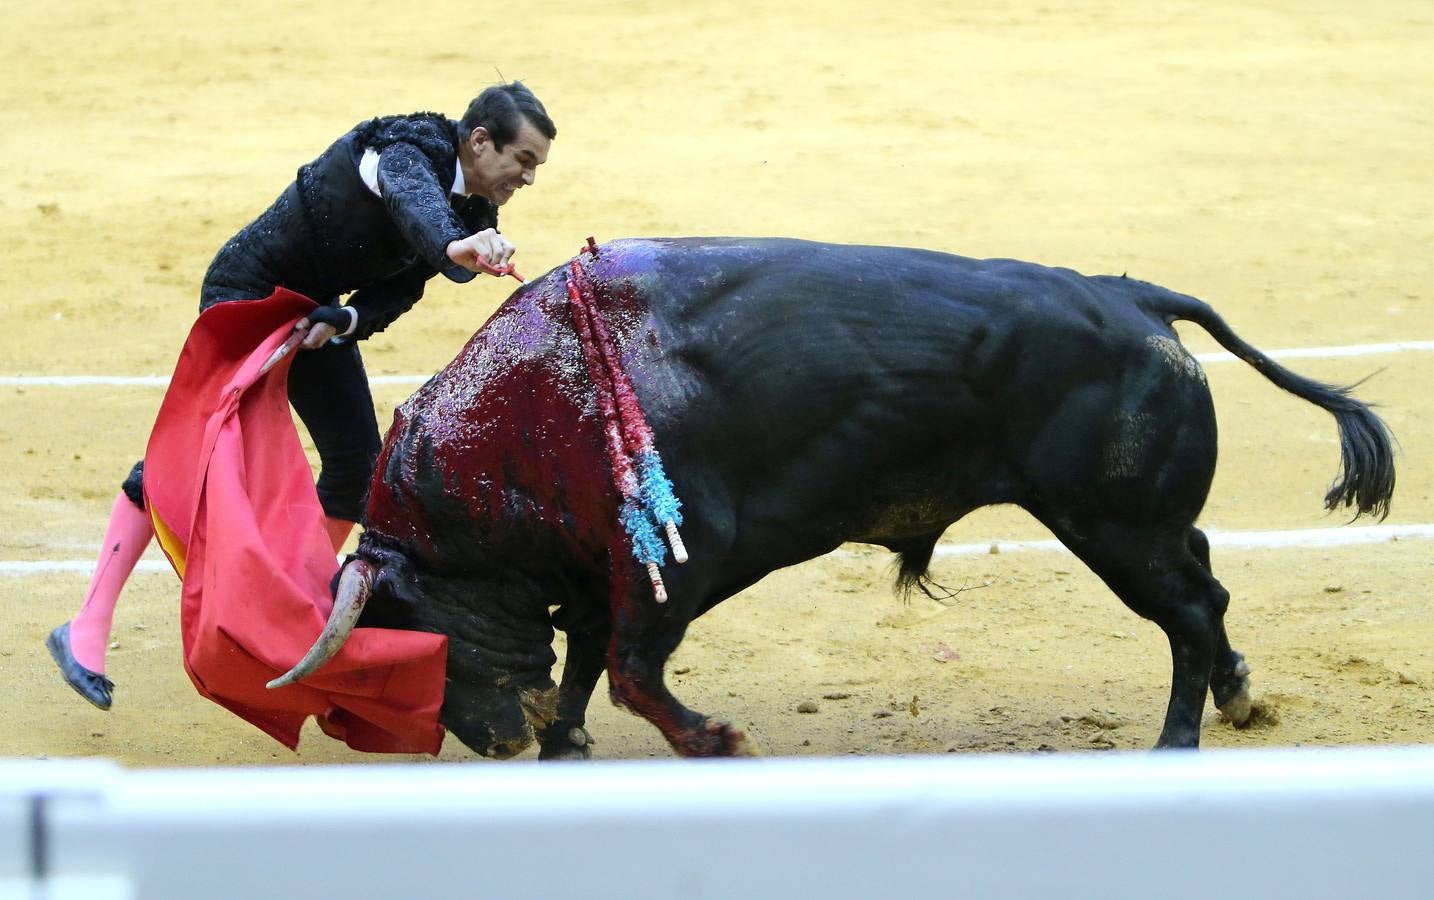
[803, 395]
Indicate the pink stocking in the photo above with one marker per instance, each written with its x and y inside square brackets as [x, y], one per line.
[128, 534]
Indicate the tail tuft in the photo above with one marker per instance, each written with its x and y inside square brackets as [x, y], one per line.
[1366, 477]
[913, 573]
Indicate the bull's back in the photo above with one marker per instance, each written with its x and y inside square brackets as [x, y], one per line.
[873, 385]
[779, 339]
[788, 343]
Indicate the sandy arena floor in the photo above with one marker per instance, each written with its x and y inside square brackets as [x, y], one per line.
[1272, 160]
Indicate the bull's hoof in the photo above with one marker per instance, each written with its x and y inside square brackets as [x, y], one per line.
[576, 744]
[747, 746]
[726, 739]
[1236, 708]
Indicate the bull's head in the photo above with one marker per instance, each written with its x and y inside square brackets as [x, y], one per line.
[499, 690]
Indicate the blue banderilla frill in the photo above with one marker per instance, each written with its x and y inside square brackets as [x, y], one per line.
[648, 499]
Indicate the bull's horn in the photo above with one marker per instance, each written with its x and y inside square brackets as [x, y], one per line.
[355, 585]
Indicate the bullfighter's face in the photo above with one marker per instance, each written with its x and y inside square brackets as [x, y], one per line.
[499, 174]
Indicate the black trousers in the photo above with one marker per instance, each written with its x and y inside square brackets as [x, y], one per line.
[328, 388]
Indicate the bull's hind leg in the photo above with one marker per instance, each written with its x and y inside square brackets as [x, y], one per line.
[1154, 571]
[1229, 673]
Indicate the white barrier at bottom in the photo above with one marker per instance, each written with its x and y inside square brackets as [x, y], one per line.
[1278, 823]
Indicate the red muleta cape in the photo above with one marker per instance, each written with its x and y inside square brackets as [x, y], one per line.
[229, 489]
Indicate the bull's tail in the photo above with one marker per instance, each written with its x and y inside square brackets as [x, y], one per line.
[1366, 477]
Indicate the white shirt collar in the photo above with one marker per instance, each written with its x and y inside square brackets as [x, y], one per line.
[459, 185]
[368, 171]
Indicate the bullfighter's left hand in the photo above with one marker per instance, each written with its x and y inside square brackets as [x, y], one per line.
[324, 323]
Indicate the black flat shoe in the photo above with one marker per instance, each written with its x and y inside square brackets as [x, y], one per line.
[93, 686]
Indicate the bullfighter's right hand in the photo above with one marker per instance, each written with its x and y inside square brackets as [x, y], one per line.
[486, 246]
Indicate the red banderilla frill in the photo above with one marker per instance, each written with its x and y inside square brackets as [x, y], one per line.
[647, 495]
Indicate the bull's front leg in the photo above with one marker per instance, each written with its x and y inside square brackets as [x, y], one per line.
[643, 637]
[567, 737]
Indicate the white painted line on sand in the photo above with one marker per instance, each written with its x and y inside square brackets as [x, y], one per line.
[69, 381]
[150, 381]
[1239, 540]
[159, 381]
[1326, 352]
[58, 566]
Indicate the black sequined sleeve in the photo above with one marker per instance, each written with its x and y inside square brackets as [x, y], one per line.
[418, 202]
[379, 304]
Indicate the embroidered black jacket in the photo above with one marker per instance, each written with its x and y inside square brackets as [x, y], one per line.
[328, 234]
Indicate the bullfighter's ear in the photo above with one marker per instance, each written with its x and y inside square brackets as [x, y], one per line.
[479, 136]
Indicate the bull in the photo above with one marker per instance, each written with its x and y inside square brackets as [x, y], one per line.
[802, 395]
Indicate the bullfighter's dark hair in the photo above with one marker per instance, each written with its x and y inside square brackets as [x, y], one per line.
[501, 110]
